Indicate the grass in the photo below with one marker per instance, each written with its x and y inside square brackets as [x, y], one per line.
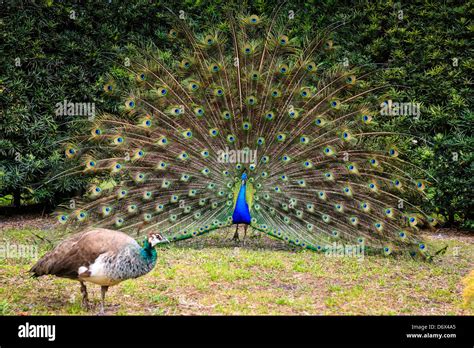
[212, 275]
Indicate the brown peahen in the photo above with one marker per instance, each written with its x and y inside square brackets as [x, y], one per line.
[99, 256]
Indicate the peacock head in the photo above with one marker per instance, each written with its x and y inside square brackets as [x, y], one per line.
[155, 238]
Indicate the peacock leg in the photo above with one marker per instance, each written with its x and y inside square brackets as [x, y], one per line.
[236, 234]
[85, 299]
[103, 290]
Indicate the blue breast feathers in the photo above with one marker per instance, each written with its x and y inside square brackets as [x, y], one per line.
[241, 213]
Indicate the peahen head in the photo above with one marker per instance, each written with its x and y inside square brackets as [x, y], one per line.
[148, 251]
[153, 239]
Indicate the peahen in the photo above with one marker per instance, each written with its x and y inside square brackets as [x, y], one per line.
[246, 125]
[100, 256]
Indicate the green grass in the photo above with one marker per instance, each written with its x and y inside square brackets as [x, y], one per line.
[212, 275]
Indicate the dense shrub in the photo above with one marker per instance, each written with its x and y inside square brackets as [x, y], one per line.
[423, 49]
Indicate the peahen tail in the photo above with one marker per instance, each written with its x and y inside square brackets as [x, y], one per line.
[248, 125]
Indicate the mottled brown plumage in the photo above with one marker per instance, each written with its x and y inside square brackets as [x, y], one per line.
[81, 249]
[101, 256]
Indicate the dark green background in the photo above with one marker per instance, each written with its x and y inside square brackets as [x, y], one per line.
[63, 58]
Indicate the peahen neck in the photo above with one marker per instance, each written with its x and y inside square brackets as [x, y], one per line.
[148, 253]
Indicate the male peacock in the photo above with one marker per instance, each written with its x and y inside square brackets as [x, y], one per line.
[176, 158]
[99, 256]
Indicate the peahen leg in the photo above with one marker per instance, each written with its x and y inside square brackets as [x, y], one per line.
[236, 234]
[85, 299]
[103, 290]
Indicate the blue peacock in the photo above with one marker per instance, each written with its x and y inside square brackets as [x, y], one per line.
[324, 168]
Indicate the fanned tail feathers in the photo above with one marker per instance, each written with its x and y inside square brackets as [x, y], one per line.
[172, 159]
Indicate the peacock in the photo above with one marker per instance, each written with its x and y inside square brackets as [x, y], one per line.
[241, 124]
[100, 256]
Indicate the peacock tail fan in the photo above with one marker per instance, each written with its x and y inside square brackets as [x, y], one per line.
[243, 107]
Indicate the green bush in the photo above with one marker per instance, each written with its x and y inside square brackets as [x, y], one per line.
[423, 52]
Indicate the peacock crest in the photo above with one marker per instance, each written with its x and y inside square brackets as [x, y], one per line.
[247, 124]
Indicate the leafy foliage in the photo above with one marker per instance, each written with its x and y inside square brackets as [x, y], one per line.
[423, 48]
